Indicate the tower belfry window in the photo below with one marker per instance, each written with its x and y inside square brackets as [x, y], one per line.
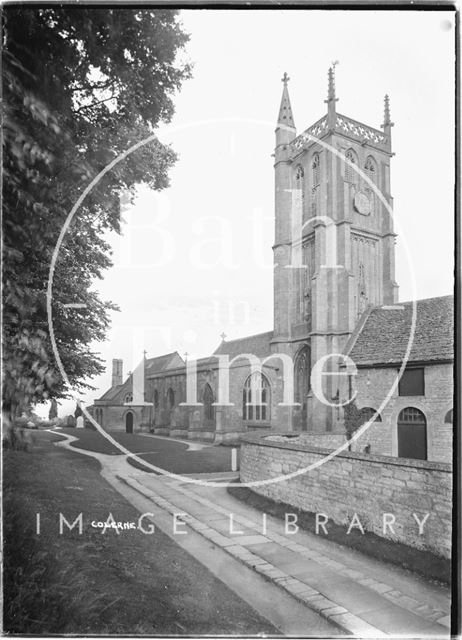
[370, 169]
[350, 173]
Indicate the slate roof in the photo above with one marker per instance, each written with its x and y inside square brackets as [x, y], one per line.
[161, 363]
[384, 337]
[258, 345]
[152, 366]
[113, 392]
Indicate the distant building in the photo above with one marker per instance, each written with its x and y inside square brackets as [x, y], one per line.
[334, 292]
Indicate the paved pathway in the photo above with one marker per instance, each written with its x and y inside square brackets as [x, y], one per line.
[290, 616]
[363, 596]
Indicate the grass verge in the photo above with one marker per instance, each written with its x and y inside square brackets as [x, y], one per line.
[423, 563]
[94, 583]
[164, 453]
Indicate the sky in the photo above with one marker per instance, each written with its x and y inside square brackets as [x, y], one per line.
[195, 260]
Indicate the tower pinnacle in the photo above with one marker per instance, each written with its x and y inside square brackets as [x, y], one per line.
[386, 113]
[387, 123]
[331, 83]
[285, 117]
[331, 99]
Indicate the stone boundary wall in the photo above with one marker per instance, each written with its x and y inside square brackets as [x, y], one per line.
[324, 440]
[353, 483]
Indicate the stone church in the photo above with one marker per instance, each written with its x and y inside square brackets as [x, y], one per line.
[334, 293]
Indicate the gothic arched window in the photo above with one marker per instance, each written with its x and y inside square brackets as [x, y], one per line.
[350, 173]
[208, 400]
[256, 398]
[170, 398]
[128, 397]
[315, 167]
[448, 419]
[302, 369]
[362, 290]
[156, 399]
[370, 168]
[300, 184]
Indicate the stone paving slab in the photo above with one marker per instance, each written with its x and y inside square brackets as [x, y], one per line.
[354, 597]
[222, 525]
[251, 540]
[324, 584]
[401, 622]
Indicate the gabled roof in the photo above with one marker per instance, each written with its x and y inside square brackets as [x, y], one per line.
[258, 345]
[162, 363]
[152, 366]
[113, 392]
[385, 334]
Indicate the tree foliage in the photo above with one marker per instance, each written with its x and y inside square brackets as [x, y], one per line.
[81, 85]
[353, 417]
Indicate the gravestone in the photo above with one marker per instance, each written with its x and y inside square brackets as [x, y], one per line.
[80, 422]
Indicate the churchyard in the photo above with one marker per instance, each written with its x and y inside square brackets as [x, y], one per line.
[95, 583]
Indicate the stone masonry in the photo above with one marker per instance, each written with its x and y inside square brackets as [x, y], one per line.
[353, 483]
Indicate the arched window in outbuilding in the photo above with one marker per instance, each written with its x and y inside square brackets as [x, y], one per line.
[412, 434]
[368, 413]
[256, 398]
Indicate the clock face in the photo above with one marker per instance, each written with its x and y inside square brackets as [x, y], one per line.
[362, 203]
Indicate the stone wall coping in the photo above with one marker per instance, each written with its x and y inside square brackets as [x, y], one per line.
[261, 440]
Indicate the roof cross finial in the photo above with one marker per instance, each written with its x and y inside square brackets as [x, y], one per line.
[145, 354]
[223, 336]
[285, 79]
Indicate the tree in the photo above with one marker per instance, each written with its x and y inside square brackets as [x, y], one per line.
[53, 412]
[81, 85]
[353, 419]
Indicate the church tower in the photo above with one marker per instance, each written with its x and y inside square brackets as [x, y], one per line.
[334, 241]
